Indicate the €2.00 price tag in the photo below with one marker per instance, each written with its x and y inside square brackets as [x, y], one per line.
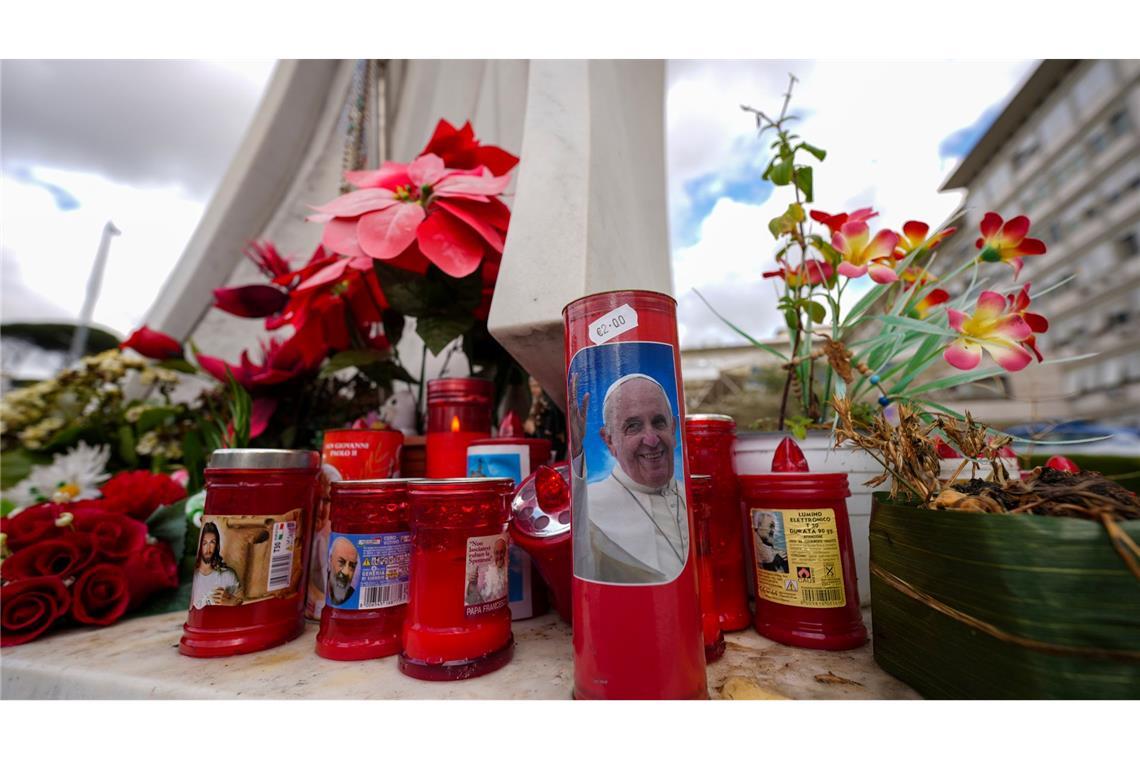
[609, 326]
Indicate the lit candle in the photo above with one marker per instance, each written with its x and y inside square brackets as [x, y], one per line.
[459, 413]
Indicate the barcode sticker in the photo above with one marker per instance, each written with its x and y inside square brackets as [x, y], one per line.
[822, 594]
[373, 597]
[609, 326]
[281, 556]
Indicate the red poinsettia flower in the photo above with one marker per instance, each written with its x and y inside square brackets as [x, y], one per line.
[250, 300]
[835, 222]
[460, 150]
[1007, 242]
[811, 272]
[1019, 304]
[153, 344]
[281, 361]
[914, 236]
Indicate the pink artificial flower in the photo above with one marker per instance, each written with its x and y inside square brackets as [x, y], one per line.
[993, 327]
[862, 253]
[935, 297]
[1018, 304]
[834, 222]
[1008, 242]
[914, 237]
[811, 272]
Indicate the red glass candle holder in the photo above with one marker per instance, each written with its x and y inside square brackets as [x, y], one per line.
[346, 455]
[800, 542]
[368, 570]
[247, 592]
[702, 489]
[541, 526]
[458, 413]
[458, 624]
[637, 618]
[710, 438]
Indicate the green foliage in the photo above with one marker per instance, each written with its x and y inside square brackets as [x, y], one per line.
[443, 306]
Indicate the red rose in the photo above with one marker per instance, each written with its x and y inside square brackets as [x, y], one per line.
[31, 525]
[64, 557]
[29, 607]
[138, 493]
[153, 344]
[149, 570]
[115, 536]
[100, 595]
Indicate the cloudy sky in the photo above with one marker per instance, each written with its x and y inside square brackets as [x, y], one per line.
[144, 144]
[893, 132]
[139, 143]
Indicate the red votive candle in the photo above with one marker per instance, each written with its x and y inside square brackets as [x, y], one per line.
[637, 616]
[710, 438]
[458, 414]
[366, 584]
[458, 624]
[702, 489]
[800, 542]
[249, 572]
[346, 455]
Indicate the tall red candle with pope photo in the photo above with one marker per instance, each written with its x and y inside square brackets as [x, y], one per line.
[637, 619]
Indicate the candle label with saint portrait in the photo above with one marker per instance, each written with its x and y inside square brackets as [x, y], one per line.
[627, 464]
[797, 557]
[486, 574]
[368, 571]
[244, 559]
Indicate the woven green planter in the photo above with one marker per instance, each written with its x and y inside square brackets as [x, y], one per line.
[980, 606]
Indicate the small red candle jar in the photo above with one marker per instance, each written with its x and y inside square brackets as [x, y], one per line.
[710, 438]
[346, 455]
[458, 624]
[702, 489]
[541, 527]
[368, 562]
[637, 615]
[800, 542]
[247, 592]
[515, 457]
[458, 413]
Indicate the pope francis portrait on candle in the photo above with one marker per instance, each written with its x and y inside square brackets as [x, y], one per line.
[638, 525]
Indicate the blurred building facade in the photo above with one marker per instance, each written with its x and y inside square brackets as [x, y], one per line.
[1066, 152]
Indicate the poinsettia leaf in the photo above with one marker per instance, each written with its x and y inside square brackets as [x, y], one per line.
[168, 523]
[450, 244]
[393, 325]
[385, 372]
[438, 331]
[354, 358]
[179, 365]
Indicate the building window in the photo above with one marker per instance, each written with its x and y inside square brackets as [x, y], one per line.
[1098, 142]
[1021, 155]
[1118, 123]
[1128, 246]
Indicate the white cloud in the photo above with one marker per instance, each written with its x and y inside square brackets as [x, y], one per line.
[53, 251]
[881, 124]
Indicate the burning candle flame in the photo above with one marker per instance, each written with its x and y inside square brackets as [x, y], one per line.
[455, 424]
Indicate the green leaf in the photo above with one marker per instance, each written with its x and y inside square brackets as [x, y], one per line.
[803, 180]
[393, 325]
[383, 373]
[168, 523]
[917, 325]
[740, 332]
[17, 464]
[178, 365]
[438, 331]
[6, 507]
[127, 446]
[819, 153]
[817, 311]
[781, 173]
[154, 416]
[791, 320]
[798, 426]
[359, 358]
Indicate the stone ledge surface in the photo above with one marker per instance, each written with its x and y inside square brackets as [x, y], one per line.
[138, 659]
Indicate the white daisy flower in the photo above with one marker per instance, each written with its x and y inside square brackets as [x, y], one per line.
[72, 476]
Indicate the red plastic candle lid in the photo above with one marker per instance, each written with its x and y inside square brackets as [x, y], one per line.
[789, 457]
[541, 506]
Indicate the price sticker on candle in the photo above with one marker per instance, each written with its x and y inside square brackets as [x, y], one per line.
[620, 320]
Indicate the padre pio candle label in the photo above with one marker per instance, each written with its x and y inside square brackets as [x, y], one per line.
[368, 571]
[797, 557]
[243, 559]
[486, 577]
